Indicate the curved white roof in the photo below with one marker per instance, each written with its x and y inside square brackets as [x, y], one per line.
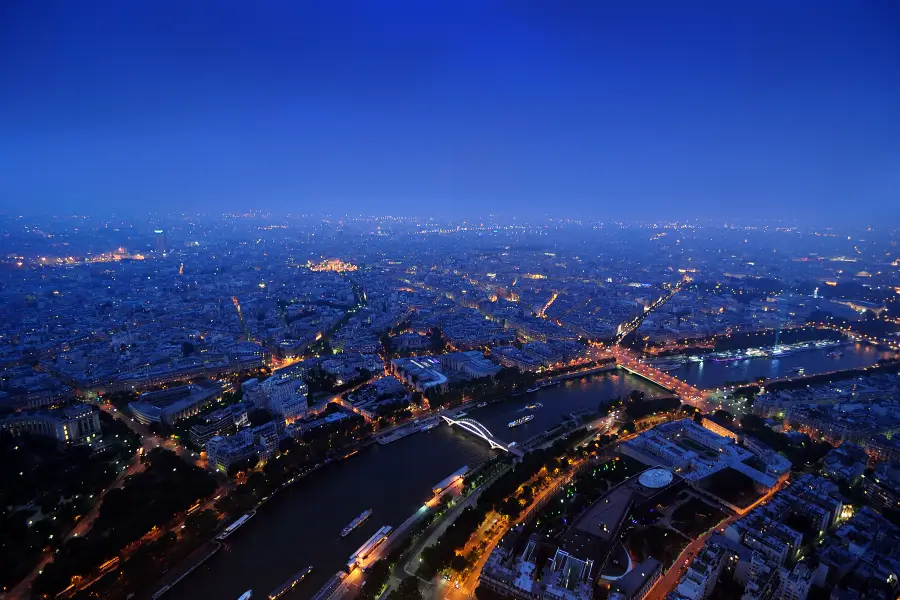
[655, 478]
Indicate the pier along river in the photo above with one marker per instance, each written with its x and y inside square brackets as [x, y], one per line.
[710, 374]
[301, 526]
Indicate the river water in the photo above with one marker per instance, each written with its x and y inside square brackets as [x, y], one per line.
[710, 374]
[301, 525]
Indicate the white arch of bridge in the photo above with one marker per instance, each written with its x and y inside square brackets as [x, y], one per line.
[473, 426]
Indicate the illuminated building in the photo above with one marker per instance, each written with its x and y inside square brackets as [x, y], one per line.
[584, 549]
[162, 244]
[421, 373]
[219, 422]
[846, 463]
[335, 265]
[286, 397]
[700, 579]
[720, 429]
[882, 489]
[172, 404]
[675, 445]
[267, 437]
[76, 425]
[223, 451]
[881, 447]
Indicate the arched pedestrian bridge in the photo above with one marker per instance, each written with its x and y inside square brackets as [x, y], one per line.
[474, 427]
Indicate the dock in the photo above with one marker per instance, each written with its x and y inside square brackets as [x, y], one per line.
[331, 587]
[195, 560]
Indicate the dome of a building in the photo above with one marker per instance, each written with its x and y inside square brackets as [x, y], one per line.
[655, 478]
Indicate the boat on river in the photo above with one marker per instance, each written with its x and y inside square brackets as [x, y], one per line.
[359, 557]
[445, 483]
[289, 584]
[667, 365]
[235, 526]
[520, 421]
[727, 358]
[356, 522]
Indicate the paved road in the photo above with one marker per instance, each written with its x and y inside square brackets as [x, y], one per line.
[631, 361]
[150, 440]
[466, 586]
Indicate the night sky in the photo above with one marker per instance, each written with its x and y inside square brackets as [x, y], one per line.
[613, 110]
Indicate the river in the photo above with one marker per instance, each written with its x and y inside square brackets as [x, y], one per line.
[301, 525]
[710, 374]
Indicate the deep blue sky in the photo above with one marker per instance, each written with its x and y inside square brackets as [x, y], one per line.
[732, 109]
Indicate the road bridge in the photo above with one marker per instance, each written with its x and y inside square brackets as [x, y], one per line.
[631, 363]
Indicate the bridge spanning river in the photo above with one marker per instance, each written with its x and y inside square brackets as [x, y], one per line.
[633, 364]
[476, 428]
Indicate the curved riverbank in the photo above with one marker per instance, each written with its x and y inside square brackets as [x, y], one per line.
[301, 525]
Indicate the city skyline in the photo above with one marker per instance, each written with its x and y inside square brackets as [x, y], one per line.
[321, 400]
[472, 300]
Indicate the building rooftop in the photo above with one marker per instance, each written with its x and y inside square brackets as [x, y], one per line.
[656, 478]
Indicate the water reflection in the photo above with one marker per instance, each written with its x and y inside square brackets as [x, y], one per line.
[709, 374]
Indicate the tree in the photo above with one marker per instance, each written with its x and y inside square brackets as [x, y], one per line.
[511, 508]
[259, 484]
[318, 380]
[436, 340]
[642, 408]
[698, 417]
[752, 422]
[168, 486]
[723, 416]
[162, 545]
[431, 561]
[443, 503]
[375, 580]
[458, 563]
[747, 391]
[407, 590]
[636, 396]
[201, 524]
[242, 465]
